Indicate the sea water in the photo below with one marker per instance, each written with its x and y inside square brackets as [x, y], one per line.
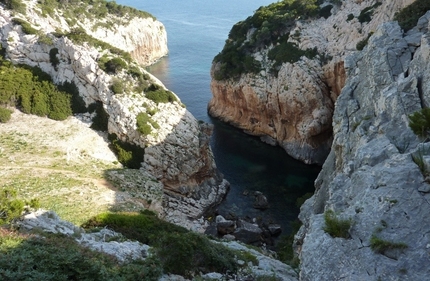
[196, 32]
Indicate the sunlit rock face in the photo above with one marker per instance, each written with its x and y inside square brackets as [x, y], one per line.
[370, 176]
[294, 107]
[177, 151]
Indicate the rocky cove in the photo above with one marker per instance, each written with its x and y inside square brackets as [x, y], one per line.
[369, 177]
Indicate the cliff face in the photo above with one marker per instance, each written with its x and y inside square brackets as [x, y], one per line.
[372, 175]
[293, 108]
[177, 152]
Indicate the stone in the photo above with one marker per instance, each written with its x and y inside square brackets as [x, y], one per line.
[248, 232]
[224, 226]
[260, 201]
[275, 229]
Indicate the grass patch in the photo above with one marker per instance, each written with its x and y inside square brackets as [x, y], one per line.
[380, 246]
[335, 226]
[5, 114]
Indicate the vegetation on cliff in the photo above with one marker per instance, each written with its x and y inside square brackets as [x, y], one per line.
[32, 90]
[270, 25]
[408, 17]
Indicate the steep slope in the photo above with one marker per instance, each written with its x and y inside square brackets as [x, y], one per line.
[176, 145]
[282, 69]
[376, 175]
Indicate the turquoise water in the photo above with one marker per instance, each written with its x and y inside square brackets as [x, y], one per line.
[196, 32]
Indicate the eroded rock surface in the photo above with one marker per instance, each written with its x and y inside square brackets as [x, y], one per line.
[370, 176]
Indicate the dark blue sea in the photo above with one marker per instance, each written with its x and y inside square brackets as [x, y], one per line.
[196, 33]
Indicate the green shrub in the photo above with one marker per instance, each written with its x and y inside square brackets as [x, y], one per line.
[26, 27]
[161, 96]
[10, 207]
[78, 104]
[129, 155]
[183, 254]
[366, 13]
[179, 251]
[101, 119]
[288, 52]
[336, 227]
[115, 65]
[408, 16]
[5, 114]
[40, 105]
[117, 86]
[270, 24]
[380, 246]
[53, 57]
[363, 43]
[55, 257]
[16, 5]
[419, 122]
[325, 12]
[145, 124]
[32, 90]
[350, 17]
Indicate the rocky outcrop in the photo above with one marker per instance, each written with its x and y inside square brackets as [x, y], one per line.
[145, 38]
[372, 175]
[293, 108]
[177, 151]
[105, 240]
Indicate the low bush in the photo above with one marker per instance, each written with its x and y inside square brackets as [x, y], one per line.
[101, 118]
[31, 90]
[363, 43]
[366, 13]
[145, 124]
[180, 251]
[419, 122]
[325, 12]
[5, 114]
[130, 155]
[161, 96]
[336, 227]
[117, 86]
[408, 16]
[16, 5]
[55, 257]
[115, 65]
[11, 207]
[26, 27]
[53, 57]
[185, 253]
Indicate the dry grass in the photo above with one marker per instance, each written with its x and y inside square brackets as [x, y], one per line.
[64, 164]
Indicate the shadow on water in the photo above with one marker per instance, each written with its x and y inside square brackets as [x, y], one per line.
[251, 165]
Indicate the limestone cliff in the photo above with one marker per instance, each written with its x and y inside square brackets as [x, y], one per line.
[292, 104]
[177, 152]
[376, 175]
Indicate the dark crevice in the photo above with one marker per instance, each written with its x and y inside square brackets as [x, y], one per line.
[420, 92]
